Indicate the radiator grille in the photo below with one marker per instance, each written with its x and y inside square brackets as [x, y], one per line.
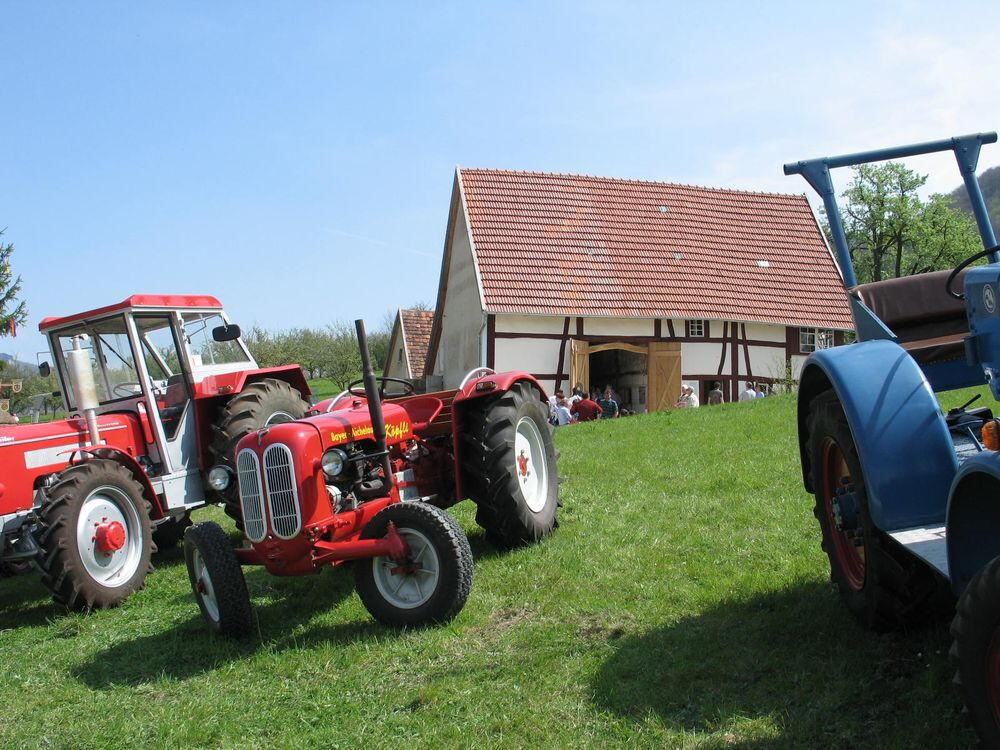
[251, 498]
[282, 494]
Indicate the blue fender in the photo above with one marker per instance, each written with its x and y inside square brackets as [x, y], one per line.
[973, 521]
[906, 452]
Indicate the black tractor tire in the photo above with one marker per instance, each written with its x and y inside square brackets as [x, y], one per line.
[975, 652]
[889, 589]
[427, 527]
[217, 580]
[166, 535]
[62, 562]
[254, 407]
[490, 467]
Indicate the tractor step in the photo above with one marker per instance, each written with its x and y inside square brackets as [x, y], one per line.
[927, 543]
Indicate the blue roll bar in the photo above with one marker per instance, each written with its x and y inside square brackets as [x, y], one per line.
[966, 148]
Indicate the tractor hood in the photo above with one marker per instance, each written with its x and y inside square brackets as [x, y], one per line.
[348, 425]
[334, 429]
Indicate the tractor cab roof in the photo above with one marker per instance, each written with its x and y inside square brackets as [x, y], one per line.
[138, 301]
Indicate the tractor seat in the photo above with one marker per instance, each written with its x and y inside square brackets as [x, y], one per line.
[929, 323]
[422, 411]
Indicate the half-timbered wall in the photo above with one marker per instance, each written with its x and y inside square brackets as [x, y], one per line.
[729, 352]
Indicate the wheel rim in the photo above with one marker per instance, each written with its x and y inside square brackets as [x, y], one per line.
[414, 582]
[109, 536]
[279, 417]
[203, 587]
[850, 556]
[530, 464]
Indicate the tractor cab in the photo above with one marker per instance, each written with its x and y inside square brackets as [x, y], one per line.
[150, 357]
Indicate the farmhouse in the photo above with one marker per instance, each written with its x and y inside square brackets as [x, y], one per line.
[640, 285]
[411, 332]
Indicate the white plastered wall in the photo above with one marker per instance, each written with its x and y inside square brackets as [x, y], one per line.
[552, 324]
[460, 345]
[616, 327]
[396, 365]
[529, 355]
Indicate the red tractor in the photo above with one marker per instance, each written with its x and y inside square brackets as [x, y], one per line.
[365, 481]
[159, 389]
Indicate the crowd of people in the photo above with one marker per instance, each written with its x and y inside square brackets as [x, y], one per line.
[586, 406]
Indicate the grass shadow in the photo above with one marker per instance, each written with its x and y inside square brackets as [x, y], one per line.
[190, 649]
[792, 660]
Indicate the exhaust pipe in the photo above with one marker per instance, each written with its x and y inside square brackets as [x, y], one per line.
[81, 376]
[374, 403]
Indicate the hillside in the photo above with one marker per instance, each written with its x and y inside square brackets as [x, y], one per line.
[683, 602]
[989, 183]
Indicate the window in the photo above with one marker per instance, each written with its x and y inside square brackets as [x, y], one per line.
[399, 357]
[811, 339]
[206, 351]
[697, 328]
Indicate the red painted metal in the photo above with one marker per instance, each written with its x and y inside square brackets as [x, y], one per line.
[29, 452]
[850, 557]
[234, 382]
[109, 537]
[199, 301]
[392, 545]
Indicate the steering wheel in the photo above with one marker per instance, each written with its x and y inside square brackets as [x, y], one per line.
[967, 262]
[134, 389]
[355, 391]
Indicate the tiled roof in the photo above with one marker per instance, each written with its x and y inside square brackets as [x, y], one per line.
[417, 326]
[577, 245]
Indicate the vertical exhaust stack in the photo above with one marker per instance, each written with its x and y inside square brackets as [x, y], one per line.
[81, 376]
[374, 403]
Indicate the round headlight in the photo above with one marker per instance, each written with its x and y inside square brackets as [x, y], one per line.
[219, 477]
[333, 462]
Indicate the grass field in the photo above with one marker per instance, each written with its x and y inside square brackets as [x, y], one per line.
[683, 602]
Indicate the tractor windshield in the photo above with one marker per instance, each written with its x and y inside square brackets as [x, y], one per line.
[205, 351]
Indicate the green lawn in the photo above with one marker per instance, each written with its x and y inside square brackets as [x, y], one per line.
[683, 602]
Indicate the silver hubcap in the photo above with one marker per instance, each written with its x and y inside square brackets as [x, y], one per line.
[409, 589]
[529, 464]
[108, 508]
[203, 588]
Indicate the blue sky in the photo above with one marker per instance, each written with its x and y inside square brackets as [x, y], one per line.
[296, 159]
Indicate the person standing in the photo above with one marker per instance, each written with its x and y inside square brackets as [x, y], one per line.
[749, 393]
[609, 407]
[760, 391]
[715, 396]
[586, 409]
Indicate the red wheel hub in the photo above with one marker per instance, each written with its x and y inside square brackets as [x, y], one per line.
[110, 537]
[850, 555]
[993, 674]
[522, 464]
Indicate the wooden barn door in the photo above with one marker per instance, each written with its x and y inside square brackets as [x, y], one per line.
[663, 375]
[579, 364]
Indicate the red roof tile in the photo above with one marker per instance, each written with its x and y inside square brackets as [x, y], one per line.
[562, 244]
[417, 326]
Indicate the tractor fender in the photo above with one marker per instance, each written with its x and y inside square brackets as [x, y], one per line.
[491, 385]
[906, 452]
[973, 520]
[114, 454]
[231, 383]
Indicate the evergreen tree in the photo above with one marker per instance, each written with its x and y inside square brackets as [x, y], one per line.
[13, 311]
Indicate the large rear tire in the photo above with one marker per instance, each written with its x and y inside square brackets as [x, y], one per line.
[262, 403]
[509, 466]
[217, 580]
[432, 584]
[976, 652]
[95, 536]
[881, 585]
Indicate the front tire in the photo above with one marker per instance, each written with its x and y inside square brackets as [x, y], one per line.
[880, 584]
[95, 536]
[433, 584]
[976, 652]
[217, 580]
[262, 403]
[509, 467]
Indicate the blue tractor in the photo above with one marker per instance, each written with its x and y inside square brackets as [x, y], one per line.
[907, 496]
